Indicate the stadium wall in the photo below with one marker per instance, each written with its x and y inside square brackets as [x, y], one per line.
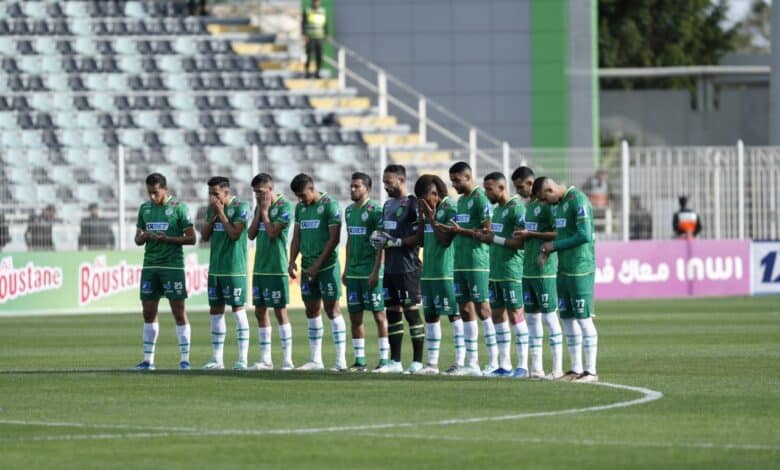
[36, 283]
[521, 70]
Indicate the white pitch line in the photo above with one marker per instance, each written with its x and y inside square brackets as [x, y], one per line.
[648, 395]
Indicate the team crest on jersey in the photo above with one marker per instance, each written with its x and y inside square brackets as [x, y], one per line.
[470, 204]
[537, 210]
[440, 214]
[274, 211]
[169, 211]
[230, 212]
[364, 217]
[321, 209]
[399, 211]
[565, 206]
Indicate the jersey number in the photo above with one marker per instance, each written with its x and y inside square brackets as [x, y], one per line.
[236, 292]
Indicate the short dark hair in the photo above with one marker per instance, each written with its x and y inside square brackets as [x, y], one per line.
[522, 173]
[424, 184]
[156, 179]
[92, 205]
[460, 167]
[399, 170]
[299, 182]
[261, 178]
[495, 176]
[536, 189]
[219, 181]
[683, 200]
[358, 175]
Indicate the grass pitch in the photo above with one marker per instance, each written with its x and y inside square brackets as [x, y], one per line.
[66, 400]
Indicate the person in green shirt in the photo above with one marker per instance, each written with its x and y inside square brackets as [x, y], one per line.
[163, 227]
[270, 282]
[438, 289]
[506, 276]
[575, 245]
[226, 220]
[472, 267]
[316, 235]
[362, 276]
[539, 290]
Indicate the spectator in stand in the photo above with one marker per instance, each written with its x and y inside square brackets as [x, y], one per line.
[686, 222]
[314, 24]
[38, 235]
[197, 7]
[200, 222]
[5, 236]
[640, 221]
[597, 189]
[96, 232]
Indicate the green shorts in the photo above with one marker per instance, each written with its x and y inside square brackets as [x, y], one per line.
[269, 290]
[156, 282]
[326, 285]
[438, 297]
[227, 290]
[575, 295]
[360, 297]
[471, 286]
[540, 294]
[506, 294]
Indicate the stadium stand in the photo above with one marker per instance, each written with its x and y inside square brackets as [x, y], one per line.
[185, 95]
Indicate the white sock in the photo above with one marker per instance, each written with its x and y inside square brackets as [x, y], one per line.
[574, 342]
[151, 330]
[504, 345]
[489, 334]
[384, 348]
[460, 344]
[433, 342]
[315, 339]
[521, 344]
[183, 334]
[339, 330]
[242, 334]
[359, 345]
[470, 335]
[218, 330]
[556, 341]
[590, 343]
[535, 338]
[264, 340]
[286, 341]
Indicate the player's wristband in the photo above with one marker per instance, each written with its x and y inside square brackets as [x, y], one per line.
[499, 240]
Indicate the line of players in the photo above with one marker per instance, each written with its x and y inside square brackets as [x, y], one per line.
[489, 256]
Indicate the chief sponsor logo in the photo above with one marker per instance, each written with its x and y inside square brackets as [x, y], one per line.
[261, 227]
[218, 227]
[497, 227]
[428, 228]
[462, 218]
[309, 224]
[15, 283]
[356, 230]
[156, 226]
[390, 225]
[532, 226]
[560, 223]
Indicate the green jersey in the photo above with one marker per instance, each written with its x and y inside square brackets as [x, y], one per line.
[574, 234]
[361, 221]
[538, 218]
[271, 255]
[506, 264]
[313, 221]
[473, 212]
[437, 258]
[228, 257]
[171, 218]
